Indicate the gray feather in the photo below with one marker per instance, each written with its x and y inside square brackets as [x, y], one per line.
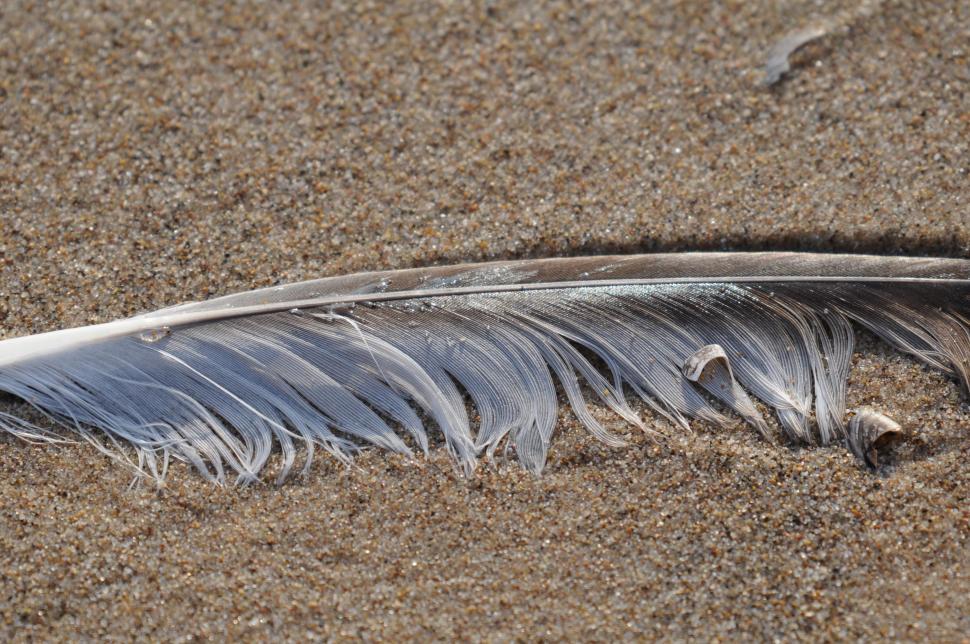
[345, 362]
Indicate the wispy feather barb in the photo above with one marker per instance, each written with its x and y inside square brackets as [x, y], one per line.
[345, 362]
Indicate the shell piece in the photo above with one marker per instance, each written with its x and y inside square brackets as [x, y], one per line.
[778, 64]
[704, 363]
[778, 61]
[870, 431]
[710, 368]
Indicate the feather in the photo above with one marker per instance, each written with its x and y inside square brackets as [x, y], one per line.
[368, 359]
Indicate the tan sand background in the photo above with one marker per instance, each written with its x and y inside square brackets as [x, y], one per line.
[153, 152]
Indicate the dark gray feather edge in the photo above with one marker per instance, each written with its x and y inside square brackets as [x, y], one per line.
[344, 362]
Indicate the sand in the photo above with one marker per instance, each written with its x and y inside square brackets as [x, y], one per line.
[156, 152]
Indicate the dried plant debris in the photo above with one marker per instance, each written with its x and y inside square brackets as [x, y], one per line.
[870, 434]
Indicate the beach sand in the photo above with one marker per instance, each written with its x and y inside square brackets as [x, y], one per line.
[155, 152]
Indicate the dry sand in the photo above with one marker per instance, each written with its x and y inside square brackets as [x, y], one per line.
[154, 152]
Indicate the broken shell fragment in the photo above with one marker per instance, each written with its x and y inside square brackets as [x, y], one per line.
[710, 368]
[778, 63]
[703, 363]
[869, 432]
